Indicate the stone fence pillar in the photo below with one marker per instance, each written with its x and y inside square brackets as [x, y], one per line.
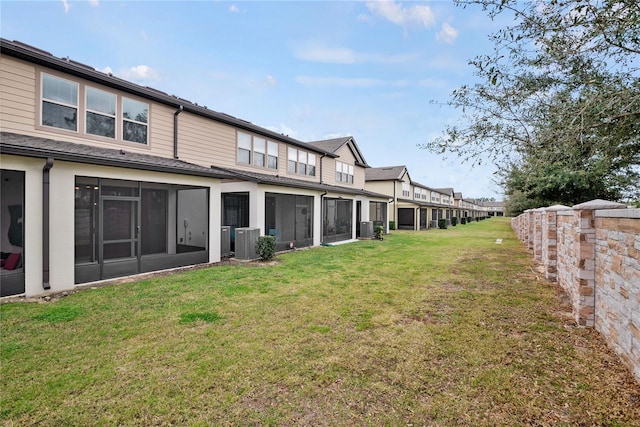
[585, 250]
[549, 251]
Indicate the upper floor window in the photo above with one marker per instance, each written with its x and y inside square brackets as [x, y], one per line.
[244, 148]
[135, 117]
[272, 155]
[301, 162]
[101, 113]
[406, 190]
[344, 172]
[257, 151]
[59, 103]
[96, 112]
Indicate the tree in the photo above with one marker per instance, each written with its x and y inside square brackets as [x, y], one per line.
[558, 100]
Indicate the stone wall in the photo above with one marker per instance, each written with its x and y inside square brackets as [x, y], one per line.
[592, 250]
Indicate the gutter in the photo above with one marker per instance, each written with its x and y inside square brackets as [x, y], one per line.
[175, 131]
[46, 210]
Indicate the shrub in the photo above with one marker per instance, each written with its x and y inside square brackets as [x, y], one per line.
[454, 221]
[378, 230]
[463, 220]
[266, 247]
[392, 225]
[477, 219]
[442, 223]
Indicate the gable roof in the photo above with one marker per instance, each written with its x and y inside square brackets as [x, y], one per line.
[334, 144]
[37, 56]
[448, 191]
[31, 146]
[386, 173]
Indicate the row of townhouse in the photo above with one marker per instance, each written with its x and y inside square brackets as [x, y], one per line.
[102, 178]
[414, 206]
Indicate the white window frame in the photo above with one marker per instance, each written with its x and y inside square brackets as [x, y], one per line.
[272, 153]
[259, 152]
[88, 110]
[57, 102]
[137, 122]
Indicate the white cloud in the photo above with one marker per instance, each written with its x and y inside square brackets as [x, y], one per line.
[140, 73]
[94, 3]
[420, 15]
[234, 9]
[66, 6]
[315, 52]
[447, 34]
[107, 70]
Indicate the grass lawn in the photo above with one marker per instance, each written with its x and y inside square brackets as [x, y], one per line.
[440, 327]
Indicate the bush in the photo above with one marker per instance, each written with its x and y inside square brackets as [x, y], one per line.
[392, 225]
[463, 220]
[266, 247]
[378, 231]
[442, 223]
[454, 221]
[477, 219]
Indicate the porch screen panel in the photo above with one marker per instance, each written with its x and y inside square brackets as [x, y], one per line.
[12, 210]
[290, 219]
[86, 220]
[154, 221]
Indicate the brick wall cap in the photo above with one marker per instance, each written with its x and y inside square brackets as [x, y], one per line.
[539, 209]
[558, 208]
[599, 204]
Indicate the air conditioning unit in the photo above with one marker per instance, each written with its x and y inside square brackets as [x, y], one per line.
[366, 229]
[225, 241]
[246, 239]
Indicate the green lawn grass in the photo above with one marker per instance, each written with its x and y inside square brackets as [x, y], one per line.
[439, 327]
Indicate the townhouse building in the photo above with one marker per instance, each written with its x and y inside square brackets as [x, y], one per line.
[414, 206]
[102, 178]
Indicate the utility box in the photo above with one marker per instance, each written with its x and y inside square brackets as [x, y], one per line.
[225, 241]
[246, 238]
[366, 229]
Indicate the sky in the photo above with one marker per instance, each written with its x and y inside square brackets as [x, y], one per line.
[375, 70]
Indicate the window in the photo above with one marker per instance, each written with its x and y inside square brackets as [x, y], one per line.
[101, 113]
[292, 164]
[406, 190]
[272, 155]
[312, 165]
[259, 151]
[244, 148]
[59, 103]
[302, 163]
[344, 172]
[135, 117]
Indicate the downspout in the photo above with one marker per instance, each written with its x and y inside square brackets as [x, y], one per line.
[46, 210]
[175, 131]
[321, 157]
[322, 214]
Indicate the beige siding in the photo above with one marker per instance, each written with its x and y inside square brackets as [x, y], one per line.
[206, 142]
[380, 187]
[17, 96]
[20, 106]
